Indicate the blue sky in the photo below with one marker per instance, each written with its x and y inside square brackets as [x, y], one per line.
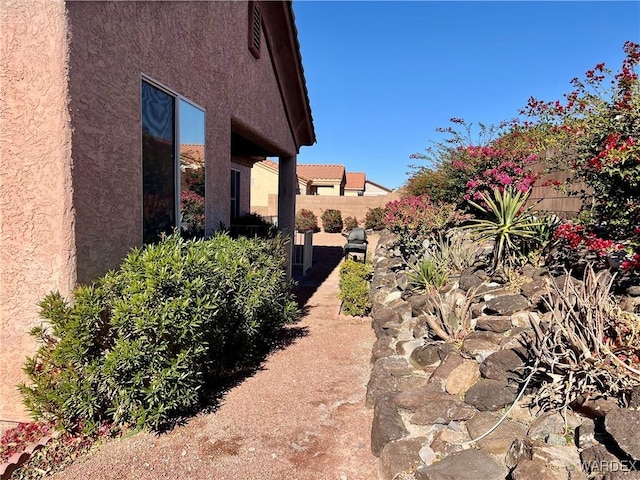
[382, 76]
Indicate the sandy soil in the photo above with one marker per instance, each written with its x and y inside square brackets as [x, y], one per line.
[301, 416]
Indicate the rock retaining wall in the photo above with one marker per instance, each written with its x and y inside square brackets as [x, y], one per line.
[431, 399]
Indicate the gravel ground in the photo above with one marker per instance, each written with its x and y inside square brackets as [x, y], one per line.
[302, 416]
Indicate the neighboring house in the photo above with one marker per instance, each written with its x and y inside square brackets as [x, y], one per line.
[313, 179]
[355, 184]
[374, 189]
[264, 183]
[95, 99]
[327, 180]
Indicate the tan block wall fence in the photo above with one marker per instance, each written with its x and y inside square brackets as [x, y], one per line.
[348, 206]
[550, 199]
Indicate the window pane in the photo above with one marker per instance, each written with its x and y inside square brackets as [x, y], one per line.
[192, 170]
[158, 166]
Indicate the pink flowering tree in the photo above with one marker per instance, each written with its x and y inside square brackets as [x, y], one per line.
[463, 168]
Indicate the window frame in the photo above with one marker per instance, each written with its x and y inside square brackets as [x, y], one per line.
[235, 215]
[177, 98]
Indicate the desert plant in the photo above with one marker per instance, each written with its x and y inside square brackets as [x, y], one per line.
[588, 346]
[427, 275]
[538, 247]
[139, 346]
[374, 219]
[306, 220]
[507, 222]
[332, 220]
[449, 315]
[350, 223]
[354, 287]
[454, 252]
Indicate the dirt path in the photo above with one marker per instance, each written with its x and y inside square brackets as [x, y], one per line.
[301, 417]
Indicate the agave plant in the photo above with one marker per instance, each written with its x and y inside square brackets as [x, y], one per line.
[453, 251]
[507, 222]
[427, 275]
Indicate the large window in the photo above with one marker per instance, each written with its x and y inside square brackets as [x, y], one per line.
[172, 163]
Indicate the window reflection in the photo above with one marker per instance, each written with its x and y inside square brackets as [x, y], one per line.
[158, 166]
[192, 170]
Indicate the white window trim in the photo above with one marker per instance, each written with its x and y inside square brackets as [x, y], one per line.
[176, 153]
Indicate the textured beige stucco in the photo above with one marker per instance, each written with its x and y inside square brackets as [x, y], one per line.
[264, 181]
[71, 197]
[36, 224]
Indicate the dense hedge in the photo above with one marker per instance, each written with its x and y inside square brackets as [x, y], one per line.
[139, 346]
[354, 287]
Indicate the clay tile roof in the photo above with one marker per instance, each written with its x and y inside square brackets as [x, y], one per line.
[355, 181]
[273, 166]
[321, 172]
[192, 153]
[270, 164]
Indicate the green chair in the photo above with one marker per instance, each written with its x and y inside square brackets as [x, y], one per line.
[356, 242]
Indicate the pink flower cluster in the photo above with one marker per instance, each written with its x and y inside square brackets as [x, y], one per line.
[506, 174]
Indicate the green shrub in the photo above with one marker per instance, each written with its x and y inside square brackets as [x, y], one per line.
[354, 287]
[373, 219]
[350, 223]
[139, 346]
[332, 220]
[306, 220]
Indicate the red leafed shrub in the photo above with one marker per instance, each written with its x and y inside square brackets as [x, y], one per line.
[306, 220]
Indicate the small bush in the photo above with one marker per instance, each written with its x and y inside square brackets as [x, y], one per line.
[332, 221]
[354, 287]
[374, 219]
[306, 220]
[139, 346]
[417, 218]
[350, 223]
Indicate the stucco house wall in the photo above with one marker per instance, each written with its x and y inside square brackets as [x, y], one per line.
[373, 189]
[70, 130]
[37, 252]
[112, 45]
